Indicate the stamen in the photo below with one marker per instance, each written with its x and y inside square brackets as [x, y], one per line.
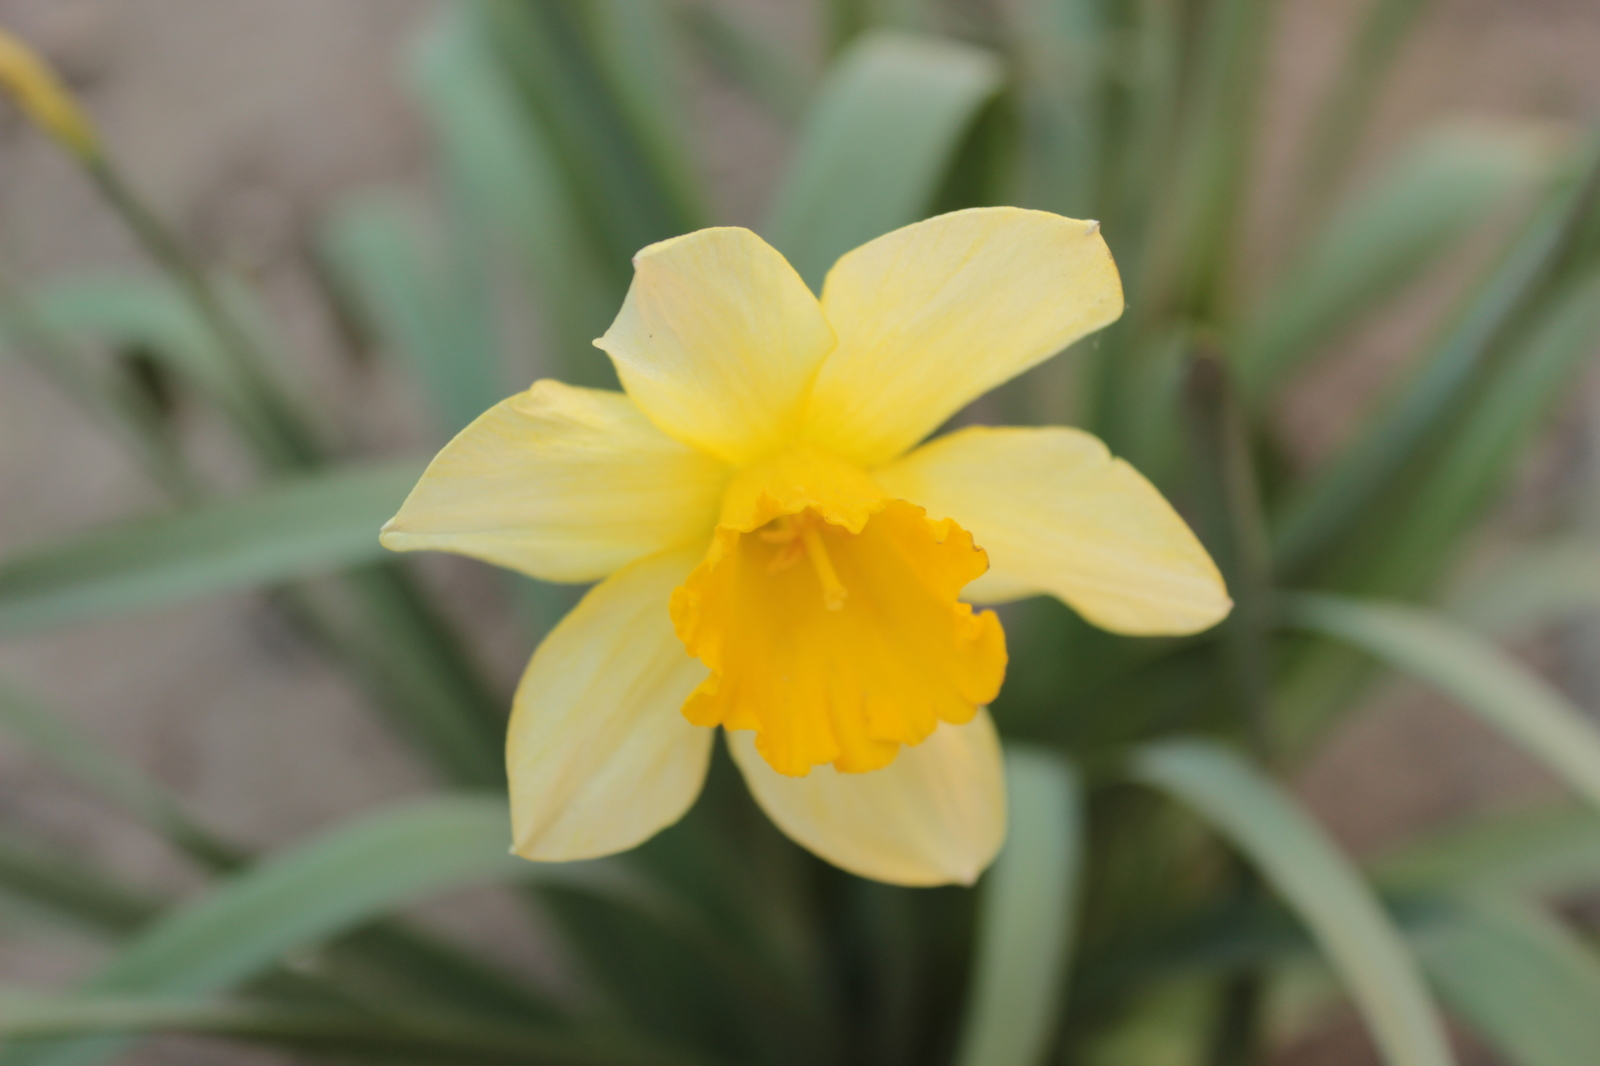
[787, 556]
[833, 592]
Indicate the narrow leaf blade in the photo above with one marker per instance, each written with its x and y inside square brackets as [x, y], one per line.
[1027, 915]
[414, 1037]
[1521, 979]
[1539, 584]
[427, 314]
[1430, 196]
[335, 883]
[1545, 852]
[49, 736]
[1322, 886]
[503, 172]
[1508, 697]
[288, 529]
[879, 137]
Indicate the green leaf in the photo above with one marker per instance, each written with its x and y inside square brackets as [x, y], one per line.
[432, 316]
[414, 666]
[410, 1037]
[1063, 49]
[845, 20]
[1215, 130]
[563, 61]
[1166, 1023]
[79, 756]
[358, 871]
[1296, 857]
[68, 891]
[879, 139]
[287, 529]
[393, 952]
[1518, 977]
[158, 318]
[505, 180]
[1480, 454]
[1345, 109]
[1535, 585]
[766, 73]
[1324, 512]
[1386, 235]
[1027, 916]
[113, 399]
[146, 314]
[633, 46]
[1505, 695]
[1546, 852]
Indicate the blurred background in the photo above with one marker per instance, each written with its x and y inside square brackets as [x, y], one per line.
[249, 124]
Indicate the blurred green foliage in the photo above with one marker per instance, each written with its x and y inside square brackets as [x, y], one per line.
[1161, 897]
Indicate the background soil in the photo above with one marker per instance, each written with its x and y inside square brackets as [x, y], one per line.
[244, 119]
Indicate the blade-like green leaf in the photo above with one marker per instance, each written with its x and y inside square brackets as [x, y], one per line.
[411, 1037]
[876, 144]
[563, 63]
[505, 180]
[69, 891]
[114, 400]
[146, 314]
[1427, 198]
[1215, 128]
[1506, 695]
[404, 959]
[158, 318]
[348, 876]
[633, 42]
[845, 21]
[1063, 49]
[1345, 109]
[1536, 585]
[1546, 852]
[414, 665]
[1027, 916]
[1480, 454]
[1341, 497]
[1296, 857]
[291, 528]
[430, 316]
[1518, 977]
[354, 872]
[79, 756]
[766, 73]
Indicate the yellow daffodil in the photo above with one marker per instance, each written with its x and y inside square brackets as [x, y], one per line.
[777, 557]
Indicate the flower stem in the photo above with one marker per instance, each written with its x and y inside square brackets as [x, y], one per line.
[286, 434]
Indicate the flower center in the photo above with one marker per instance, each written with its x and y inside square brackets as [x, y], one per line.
[827, 613]
[799, 535]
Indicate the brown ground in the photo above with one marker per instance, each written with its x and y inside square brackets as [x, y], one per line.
[242, 119]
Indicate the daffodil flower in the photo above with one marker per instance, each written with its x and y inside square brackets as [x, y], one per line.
[778, 557]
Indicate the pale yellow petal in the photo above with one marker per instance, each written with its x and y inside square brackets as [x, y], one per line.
[599, 756]
[718, 342]
[562, 483]
[1057, 514]
[934, 816]
[933, 315]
